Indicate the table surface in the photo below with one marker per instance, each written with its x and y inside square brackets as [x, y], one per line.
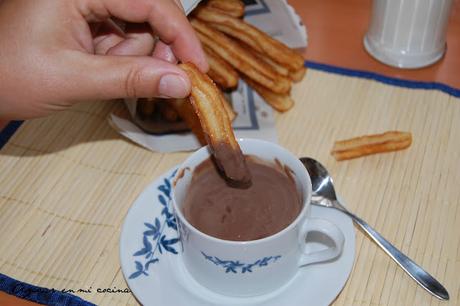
[69, 179]
[336, 30]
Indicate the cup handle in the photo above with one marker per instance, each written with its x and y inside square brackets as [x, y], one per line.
[327, 228]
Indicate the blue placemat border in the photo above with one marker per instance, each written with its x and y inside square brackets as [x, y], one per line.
[384, 79]
[39, 294]
[8, 131]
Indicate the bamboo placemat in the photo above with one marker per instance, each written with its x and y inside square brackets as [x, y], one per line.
[67, 182]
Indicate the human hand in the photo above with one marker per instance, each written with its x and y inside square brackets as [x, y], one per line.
[57, 53]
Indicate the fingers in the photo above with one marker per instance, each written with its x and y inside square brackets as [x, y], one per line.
[110, 39]
[103, 44]
[111, 77]
[164, 16]
[164, 52]
[106, 35]
[139, 41]
[141, 44]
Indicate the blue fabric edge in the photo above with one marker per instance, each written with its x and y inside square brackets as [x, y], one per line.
[8, 131]
[384, 79]
[39, 294]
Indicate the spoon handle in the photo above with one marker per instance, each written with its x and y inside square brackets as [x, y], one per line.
[422, 277]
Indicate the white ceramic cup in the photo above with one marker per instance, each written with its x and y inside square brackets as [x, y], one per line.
[408, 33]
[247, 268]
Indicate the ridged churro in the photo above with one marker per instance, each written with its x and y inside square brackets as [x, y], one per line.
[229, 110]
[242, 60]
[233, 8]
[207, 100]
[282, 70]
[243, 31]
[371, 144]
[298, 75]
[185, 110]
[280, 102]
[220, 71]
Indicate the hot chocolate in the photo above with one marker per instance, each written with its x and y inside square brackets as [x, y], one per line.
[269, 205]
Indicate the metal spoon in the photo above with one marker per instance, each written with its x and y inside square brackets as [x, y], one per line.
[324, 195]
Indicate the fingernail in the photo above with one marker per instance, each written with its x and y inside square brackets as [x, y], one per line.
[173, 86]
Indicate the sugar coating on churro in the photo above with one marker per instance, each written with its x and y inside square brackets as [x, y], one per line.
[208, 102]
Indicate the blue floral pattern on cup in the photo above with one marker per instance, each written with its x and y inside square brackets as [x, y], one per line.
[236, 266]
[154, 238]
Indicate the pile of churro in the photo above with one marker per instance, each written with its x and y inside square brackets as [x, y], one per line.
[235, 50]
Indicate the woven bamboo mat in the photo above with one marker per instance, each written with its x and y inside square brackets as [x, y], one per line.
[67, 182]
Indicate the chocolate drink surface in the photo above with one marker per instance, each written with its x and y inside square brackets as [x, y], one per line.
[269, 205]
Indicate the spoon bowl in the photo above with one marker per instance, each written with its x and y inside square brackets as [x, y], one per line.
[324, 195]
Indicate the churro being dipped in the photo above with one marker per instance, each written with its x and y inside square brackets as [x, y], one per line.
[187, 113]
[208, 102]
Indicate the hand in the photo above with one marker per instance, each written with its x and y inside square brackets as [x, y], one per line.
[56, 53]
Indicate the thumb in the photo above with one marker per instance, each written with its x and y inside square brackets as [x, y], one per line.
[105, 77]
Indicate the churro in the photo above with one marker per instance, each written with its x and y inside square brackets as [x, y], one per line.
[207, 100]
[243, 31]
[280, 102]
[242, 60]
[220, 71]
[284, 71]
[234, 8]
[371, 144]
[185, 110]
[229, 110]
[298, 75]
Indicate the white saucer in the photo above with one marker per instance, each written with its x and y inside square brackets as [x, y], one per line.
[152, 266]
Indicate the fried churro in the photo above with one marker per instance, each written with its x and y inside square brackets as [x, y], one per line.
[371, 144]
[229, 110]
[220, 71]
[207, 100]
[284, 71]
[298, 75]
[242, 60]
[280, 102]
[185, 110]
[295, 76]
[243, 31]
[234, 8]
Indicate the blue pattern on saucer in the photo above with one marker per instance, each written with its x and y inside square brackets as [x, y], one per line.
[153, 237]
[236, 266]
